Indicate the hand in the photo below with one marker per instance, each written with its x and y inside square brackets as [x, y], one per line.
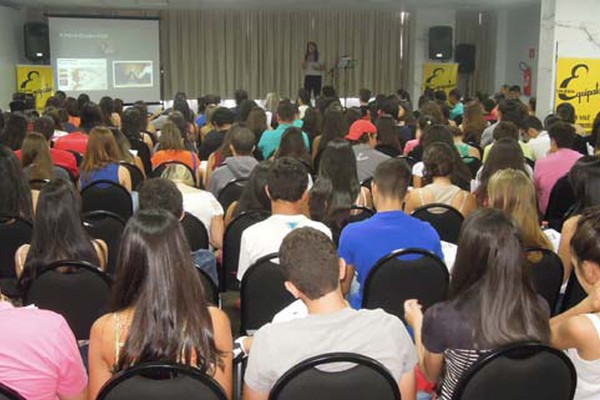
[413, 313]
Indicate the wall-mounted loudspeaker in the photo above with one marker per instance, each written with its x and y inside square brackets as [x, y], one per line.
[37, 45]
[465, 57]
[440, 42]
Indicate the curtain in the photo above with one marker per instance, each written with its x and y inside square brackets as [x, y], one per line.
[477, 28]
[218, 51]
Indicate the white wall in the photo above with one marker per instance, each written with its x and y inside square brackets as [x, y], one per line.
[11, 51]
[424, 19]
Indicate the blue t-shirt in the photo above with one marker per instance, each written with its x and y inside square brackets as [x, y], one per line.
[364, 243]
[269, 141]
[201, 120]
[109, 173]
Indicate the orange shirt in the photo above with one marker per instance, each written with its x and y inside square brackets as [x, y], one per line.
[184, 156]
[74, 121]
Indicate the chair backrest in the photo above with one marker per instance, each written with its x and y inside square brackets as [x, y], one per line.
[231, 246]
[154, 381]
[37, 184]
[231, 192]
[136, 174]
[195, 231]
[364, 378]
[211, 291]
[7, 393]
[519, 371]
[560, 201]
[402, 275]
[473, 163]
[14, 232]
[574, 293]
[109, 227]
[106, 195]
[367, 183]
[158, 171]
[262, 294]
[476, 146]
[547, 273]
[80, 293]
[446, 220]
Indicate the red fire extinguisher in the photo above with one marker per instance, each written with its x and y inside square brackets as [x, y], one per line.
[526, 69]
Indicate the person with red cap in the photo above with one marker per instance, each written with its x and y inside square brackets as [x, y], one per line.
[363, 136]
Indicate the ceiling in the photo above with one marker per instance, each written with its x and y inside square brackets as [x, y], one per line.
[195, 4]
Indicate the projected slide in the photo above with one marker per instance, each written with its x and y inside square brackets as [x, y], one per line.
[132, 74]
[82, 74]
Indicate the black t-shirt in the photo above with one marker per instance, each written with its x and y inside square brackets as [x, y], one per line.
[211, 143]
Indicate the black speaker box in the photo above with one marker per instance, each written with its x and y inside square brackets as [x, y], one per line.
[465, 57]
[37, 44]
[440, 42]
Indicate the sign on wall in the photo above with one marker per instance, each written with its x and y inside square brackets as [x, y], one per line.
[37, 80]
[438, 76]
[578, 83]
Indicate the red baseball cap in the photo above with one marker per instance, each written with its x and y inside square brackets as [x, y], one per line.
[359, 128]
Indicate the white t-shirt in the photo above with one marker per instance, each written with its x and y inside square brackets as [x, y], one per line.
[313, 68]
[200, 203]
[540, 145]
[265, 237]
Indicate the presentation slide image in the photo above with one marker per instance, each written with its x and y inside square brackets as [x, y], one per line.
[133, 74]
[82, 74]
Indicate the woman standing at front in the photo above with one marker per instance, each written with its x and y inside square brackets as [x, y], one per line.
[313, 69]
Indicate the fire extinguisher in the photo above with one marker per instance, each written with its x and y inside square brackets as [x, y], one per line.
[526, 70]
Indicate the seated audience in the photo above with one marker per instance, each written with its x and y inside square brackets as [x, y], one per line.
[139, 142]
[90, 117]
[458, 109]
[473, 122]
[507, 129]
[440, 163]
[566, 112]
[508, 111]
[101, 160]
[109, 116]
[314, 278]
[287, 187]
[423, 122]
[36, 160]
[333, 126]
[15, 194]
[222, 119]
[270, 140]
[363, 137]
[239, 165]
[492, 303]
[257, 123]
[292, 145]
[303, 102]
[388, 140]
[172, 148]
[539, 140]
[464, 150]
[39, 358]
[254, 196]
[58, 233]
[15, 129]
[577, 331]
[363, 243]
[557, 163]
[155, 272]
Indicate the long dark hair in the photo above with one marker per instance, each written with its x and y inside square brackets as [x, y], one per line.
[584, 177]
[14, 131]
[386, 133]
[336, 187]
[107, 107]
[15, 193]
[461, 175]
[35, 154]
[156, 277]
[334, 126]
[254, 196]
[58, 232]
[307, 53]
[439, 161]
[491, 285]
[292, 145]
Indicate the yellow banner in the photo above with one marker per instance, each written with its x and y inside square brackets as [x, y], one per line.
[37, 80]
[438, 76]
[578, 83]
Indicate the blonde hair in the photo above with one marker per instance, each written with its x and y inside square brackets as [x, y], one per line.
[512, 191]
[179, 174]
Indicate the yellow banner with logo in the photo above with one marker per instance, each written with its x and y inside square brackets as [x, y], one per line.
[578, 83]
[438, 76]
[37, 80]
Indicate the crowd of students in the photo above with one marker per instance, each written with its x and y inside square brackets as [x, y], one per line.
[312, 169]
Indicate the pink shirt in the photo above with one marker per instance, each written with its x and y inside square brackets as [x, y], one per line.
[39, 357]
[550, 169]
[410, 145]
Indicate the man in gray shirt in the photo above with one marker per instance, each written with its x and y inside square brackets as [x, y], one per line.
[363, 136]
[509, 110]
[331, 325]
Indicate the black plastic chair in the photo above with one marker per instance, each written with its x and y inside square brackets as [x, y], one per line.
[231, 192]
[109, 227]
[195, 231]
[107, 196]
[262, 294]
[403, 275]
[478, 147]
[410, 160]
[7, 393]
[136, 174]
[366, 379]
[154, 381]
[530, 371]
[574, 294]
[158, 171]
[473, 163]
[211, 291]
[367, 183]
[14, 232]
[560, 201]
[80, 293]
[231, 246]
[547, 273]
[446, 220]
